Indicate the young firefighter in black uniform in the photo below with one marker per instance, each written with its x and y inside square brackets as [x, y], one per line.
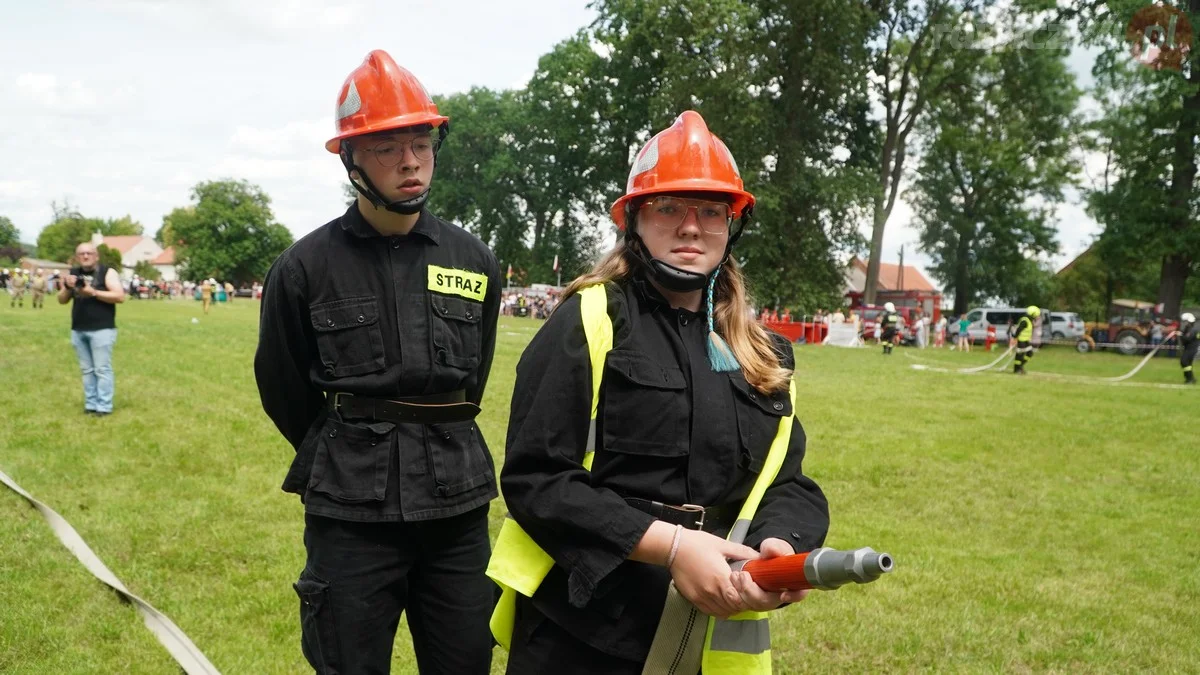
[375, 343]
[1189, 344]
[685, 418]
[1023, 331]
[887, 323]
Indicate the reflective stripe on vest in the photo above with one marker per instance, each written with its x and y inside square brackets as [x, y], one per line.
[740, 644]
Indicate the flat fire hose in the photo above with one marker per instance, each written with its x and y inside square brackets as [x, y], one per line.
[678, 646]
[980, 369]
[186, 654]
[1145, 360]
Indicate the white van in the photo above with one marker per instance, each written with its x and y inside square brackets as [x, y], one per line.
[1000, 317]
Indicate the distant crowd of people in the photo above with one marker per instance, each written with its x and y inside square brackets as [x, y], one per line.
[19, 283]
[517, 303]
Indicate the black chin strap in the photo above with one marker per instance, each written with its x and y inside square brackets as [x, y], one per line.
[405, 207]
[670, 277]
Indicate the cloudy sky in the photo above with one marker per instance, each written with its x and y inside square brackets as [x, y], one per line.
[121, 106]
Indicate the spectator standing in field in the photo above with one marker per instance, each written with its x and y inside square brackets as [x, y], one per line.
[964, 334]
[96, 291]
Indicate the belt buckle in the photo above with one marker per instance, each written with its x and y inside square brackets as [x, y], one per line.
[693, 508]
[337, 400]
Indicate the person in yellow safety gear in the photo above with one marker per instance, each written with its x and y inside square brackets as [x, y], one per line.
[1189, 344]
[1023, 332]
[38, 286]
[695, 409]
[17, 288]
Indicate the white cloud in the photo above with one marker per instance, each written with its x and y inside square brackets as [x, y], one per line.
[11, 189]
[45, 90]
[277, 19]
[47, 93]
[290, 140]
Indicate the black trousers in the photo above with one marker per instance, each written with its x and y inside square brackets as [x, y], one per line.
[360, 577]
[1024, 353]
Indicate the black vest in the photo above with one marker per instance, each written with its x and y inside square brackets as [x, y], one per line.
[90, 313]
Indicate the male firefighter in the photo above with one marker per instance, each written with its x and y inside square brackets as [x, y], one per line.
[375, 342]
[1023, 331]
[887, 322]
[1189, 344]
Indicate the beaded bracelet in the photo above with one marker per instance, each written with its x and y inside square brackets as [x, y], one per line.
[674, 546]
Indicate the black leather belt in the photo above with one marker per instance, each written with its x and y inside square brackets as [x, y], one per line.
[690, 516]
[432, 409]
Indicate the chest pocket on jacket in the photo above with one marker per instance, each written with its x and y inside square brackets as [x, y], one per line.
[456, 329]
[758, 420]
[349, 339]
[646, 410]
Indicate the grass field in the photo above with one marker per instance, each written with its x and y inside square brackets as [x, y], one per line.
[1039, 524]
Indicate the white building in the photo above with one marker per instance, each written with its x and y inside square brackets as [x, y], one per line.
[134, 249]
[165, 264]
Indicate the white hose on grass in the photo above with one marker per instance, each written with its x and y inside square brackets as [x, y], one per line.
[980, 369]
[1145, 360]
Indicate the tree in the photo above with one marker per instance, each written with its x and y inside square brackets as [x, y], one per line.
[109, 257]
[165, 235]
[784, 85]
[68, 229]
[909, 76]
[11, 249]
[521, 173]
[997, 162]
[229, 232]
[1149, 202]
[145, 270]
[10, 236]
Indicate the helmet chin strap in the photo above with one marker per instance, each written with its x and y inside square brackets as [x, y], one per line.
[405, 207]
[668, 276]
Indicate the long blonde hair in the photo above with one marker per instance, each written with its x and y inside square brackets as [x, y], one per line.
[753, 347]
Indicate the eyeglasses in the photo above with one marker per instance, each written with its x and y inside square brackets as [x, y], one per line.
[390, 153]
[670, 212]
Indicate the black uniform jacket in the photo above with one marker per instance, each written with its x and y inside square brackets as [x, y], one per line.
[346, 309]
[669, 429]
[1188, 337]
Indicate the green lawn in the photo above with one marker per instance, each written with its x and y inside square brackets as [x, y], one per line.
[1045, 523]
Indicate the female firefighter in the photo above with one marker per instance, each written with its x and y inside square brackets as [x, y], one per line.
[682, 403]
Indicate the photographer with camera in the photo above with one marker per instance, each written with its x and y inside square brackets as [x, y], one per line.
[96, 290]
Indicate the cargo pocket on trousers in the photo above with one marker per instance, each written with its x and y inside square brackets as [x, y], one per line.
[352, 461]
[318, 631]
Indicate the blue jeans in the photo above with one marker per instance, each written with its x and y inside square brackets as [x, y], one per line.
[94, 348]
